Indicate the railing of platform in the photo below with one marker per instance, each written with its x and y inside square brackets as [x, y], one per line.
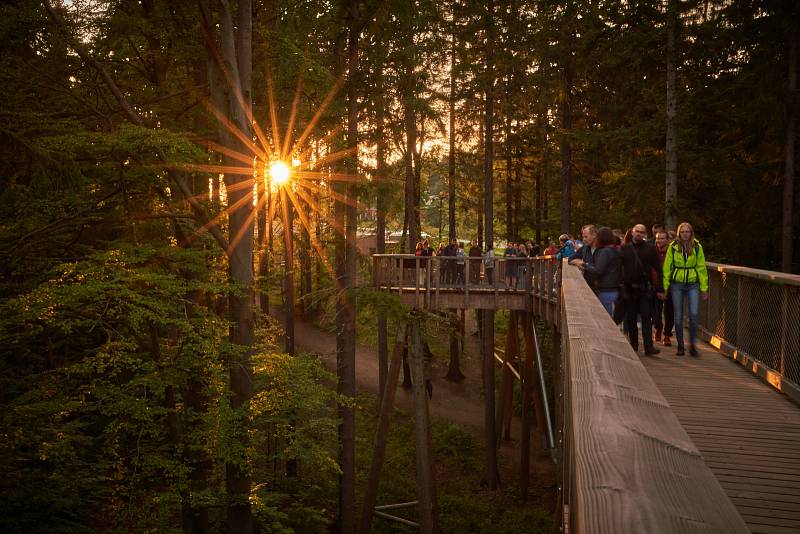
[754, 316]
[538, 274]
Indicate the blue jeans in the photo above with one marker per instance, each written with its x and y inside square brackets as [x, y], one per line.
[692, 293]
[607, 299]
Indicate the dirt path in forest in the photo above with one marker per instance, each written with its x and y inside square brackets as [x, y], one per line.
[460, 403]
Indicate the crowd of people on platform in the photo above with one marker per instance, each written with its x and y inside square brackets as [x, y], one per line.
[453, 269]
[641, 279]
[638, 278]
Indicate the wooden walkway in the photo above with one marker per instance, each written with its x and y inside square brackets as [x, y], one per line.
[748, 433]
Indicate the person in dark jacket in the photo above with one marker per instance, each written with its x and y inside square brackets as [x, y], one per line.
[589, 234]
[664, 318]
[604, 271]
[475, 264]
[639, 257]
[450, 252]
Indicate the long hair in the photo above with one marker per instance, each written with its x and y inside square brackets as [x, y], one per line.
[605, 238]
[687, 246]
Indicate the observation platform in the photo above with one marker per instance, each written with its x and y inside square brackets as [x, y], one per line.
[652, 444]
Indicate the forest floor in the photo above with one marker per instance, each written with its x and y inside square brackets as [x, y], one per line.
[457, 403]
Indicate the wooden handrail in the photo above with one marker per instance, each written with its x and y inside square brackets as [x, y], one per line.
[762, 274]
[629, 465]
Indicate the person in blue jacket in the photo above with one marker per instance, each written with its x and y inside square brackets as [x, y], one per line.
[567, 247]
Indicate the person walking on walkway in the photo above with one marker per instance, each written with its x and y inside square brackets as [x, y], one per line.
[686, 277]
[664, 317]
[460, 263]
[511, 265]
[475, 264]
[603, 271]
[522, 252]
[450, 252]
[488, 265]
[639, 257]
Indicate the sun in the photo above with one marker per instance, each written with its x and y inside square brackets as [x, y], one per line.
[279, 173]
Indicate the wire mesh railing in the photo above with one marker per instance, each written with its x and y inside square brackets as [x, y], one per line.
[757, 313]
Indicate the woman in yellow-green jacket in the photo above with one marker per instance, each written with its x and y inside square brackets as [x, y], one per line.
[685, 275]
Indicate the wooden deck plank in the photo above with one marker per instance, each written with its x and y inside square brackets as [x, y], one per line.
[748, 433]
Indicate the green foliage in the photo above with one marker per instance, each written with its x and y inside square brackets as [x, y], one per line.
[463, 505]
[96, 361]
[452, 442]
[474, 514]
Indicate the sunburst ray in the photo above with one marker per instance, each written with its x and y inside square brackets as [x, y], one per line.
[292, 117]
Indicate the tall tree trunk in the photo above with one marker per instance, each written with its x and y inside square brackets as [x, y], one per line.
[306, 273]
[380, 231]
[318, 201]
[511, 230]
[451, 157]
[346, 267]
[238, 70]
[288, 270]
[517, 212]
[787, 248]
[671, 178]
[410, 126]
[566, 145]
[539, 179]
[492, 476]
[454, 373]
[263, 256]
[546, 177]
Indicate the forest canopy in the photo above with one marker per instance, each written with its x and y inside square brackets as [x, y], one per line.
[142, 388]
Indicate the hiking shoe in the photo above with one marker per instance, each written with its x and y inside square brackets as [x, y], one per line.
[652, 351]
[657, 337]
[693, 351]
[667, 341]
[679, 352]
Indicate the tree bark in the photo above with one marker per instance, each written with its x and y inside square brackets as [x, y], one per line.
[511, 230]
[380, 230]
[288, 271]
[410, 126]
[454, 373]
[345, 318]
[426, 479]
[491, 476]
[451, 157]
[382, 433]
[566, 127]
[787, 248]
[539, 179]
[507, 380]
[239, 518]
[671, 178]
